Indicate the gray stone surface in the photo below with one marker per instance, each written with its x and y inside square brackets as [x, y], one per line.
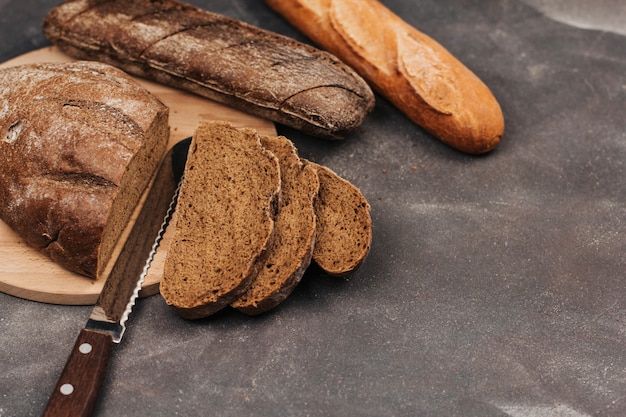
[495, 285]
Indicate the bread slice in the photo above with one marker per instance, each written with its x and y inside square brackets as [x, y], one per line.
[344, 225]
[291, 252]
[79, 143]
[225, 220]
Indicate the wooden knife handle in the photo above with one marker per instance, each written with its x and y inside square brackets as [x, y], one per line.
[78, 387]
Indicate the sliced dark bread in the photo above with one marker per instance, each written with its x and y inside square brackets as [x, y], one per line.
[344, 225]
[225, 220]
[294, 232]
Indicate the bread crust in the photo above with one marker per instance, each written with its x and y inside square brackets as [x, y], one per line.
[416, 73]
[217, 57]
[78, 144]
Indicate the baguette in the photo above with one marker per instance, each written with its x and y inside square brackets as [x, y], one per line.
[216, 57]
[79, 143]
[417, 74]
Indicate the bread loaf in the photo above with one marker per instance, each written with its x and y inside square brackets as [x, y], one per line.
[344, 226]
[294, 235]
[413, 71]
[217, 57]
[79, 143]
[224, 220]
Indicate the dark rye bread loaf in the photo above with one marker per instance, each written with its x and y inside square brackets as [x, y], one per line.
[217, 57]
[79, 143]
[344, 224]
[225, 220]
[294, 234]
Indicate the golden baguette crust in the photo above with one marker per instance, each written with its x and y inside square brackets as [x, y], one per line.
[217, 57]
[413, 71]
[79, 143]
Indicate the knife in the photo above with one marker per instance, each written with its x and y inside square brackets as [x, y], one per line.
[78, 387]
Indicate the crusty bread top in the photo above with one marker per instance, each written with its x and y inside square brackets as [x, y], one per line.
[344, 225]
[224, 225]
[294, 236]
[68, 99]
[72, 136]
[224, 59]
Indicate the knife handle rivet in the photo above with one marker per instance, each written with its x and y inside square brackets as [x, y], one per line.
[67, 389]
[85, 348]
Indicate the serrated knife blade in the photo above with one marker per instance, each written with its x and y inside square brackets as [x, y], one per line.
[78, 387]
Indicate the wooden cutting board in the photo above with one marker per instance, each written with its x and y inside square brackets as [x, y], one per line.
[27, 273]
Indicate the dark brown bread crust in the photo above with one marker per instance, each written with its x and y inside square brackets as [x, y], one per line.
[71, 136]
[217, 57]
